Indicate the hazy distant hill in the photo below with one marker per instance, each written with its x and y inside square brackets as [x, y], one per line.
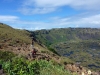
[79, 44]
[67, 34]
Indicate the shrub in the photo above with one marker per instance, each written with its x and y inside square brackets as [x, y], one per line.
[20, 66]
[6, 55]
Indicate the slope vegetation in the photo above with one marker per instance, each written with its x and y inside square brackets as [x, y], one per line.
[79, 44]
[14, 50]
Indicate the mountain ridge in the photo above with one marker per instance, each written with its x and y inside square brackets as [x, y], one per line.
[19, 41]
[82, 43]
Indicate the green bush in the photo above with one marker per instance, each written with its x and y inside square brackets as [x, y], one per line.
[6, 55]
[21, 66]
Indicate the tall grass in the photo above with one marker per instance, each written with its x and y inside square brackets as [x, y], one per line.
[20, 66]
[12, 35]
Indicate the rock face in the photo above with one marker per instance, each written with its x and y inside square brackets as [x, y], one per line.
[1, 72]
[79, 70]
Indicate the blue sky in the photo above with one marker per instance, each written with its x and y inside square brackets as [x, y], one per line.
[47, 14]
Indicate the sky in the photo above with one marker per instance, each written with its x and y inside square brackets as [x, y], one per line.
[48, 14]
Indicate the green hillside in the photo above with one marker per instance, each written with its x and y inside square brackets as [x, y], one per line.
[79, 44]
[54, 36]
[11, 36]
[14, 65]
[14, 49]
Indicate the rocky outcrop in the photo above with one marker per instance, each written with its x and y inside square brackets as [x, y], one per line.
[80, 70]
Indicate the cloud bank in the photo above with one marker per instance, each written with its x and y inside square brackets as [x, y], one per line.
[8, 18]
[33, 7]
[48, 6]
[55, 22]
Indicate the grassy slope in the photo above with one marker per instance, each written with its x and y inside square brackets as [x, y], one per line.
[80, 44]
[67, 34]
[11, 37]
[9, 34]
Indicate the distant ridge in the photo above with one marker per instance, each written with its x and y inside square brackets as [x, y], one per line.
[78, 44]
[19, 42]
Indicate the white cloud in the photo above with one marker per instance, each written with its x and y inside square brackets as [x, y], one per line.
[15, 22]
[95, 19]
[36, 10]
[53, 22]
[47, 6]
[8, 18]
[83, 21]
